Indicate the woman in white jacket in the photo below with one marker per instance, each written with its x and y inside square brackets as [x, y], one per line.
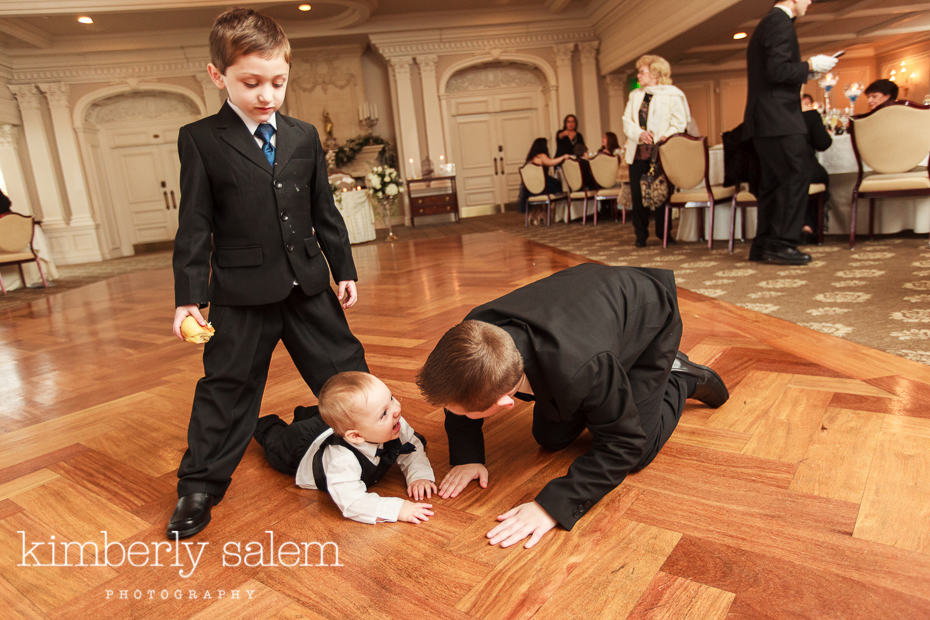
[654, 111]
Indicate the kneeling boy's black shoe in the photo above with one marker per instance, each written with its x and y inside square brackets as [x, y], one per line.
[710, 388]
[191, 515]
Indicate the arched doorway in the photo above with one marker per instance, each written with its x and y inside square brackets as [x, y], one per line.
[494, 111]
[129, 141]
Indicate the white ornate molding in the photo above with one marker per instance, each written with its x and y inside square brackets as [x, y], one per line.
[427, 61]
[588, 50]
[493, 77]
[615, 83]
[56, 93]
[82, 105]
[527, 59]
[563, 53]
[26, 96]
[108, 73]
[401, 66]
[8, 136]
[394, 45]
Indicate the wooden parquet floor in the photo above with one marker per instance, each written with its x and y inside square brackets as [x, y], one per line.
[806, 495]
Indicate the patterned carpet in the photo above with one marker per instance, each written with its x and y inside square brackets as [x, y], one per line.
[875, 295]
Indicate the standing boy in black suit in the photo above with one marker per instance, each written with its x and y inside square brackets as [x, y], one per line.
[773, 120]
[256, 213]
[595, 347]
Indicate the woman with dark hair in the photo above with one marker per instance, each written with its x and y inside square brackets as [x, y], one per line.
[539, 155]
[569, 141]
[610, 145]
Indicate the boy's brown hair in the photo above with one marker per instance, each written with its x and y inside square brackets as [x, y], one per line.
[238, 32]
[472, 365]
[342, 397]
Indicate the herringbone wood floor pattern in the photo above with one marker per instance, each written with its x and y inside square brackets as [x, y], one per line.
[805, 495]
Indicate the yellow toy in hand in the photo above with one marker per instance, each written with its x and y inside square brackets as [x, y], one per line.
[195, 332]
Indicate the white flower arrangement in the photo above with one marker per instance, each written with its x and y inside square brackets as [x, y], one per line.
[383, 183]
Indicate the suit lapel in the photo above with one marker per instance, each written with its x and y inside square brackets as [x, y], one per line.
[285, 142]
[233, 131]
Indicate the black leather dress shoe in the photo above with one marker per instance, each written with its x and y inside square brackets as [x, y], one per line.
[191, 515]
[710, 389]
[785, 256]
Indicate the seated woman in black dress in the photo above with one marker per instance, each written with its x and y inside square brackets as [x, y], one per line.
[539, 155]
[569, 141]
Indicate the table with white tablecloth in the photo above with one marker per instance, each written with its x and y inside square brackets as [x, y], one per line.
[357, 214]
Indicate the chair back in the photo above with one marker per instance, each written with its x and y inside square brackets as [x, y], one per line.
[604, 169]
[684, 160]
[534, 178]
[15, 232]
[893, 138]
[572, 171]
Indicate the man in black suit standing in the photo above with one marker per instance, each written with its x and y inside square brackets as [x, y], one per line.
[774, 122]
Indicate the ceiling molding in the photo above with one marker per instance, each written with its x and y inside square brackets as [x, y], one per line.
[27, 33]
[472, 40]
[106, 72]
[69, 7]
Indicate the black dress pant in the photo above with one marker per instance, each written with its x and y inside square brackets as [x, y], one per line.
[640, 214]
[236, 360]
[783, 190]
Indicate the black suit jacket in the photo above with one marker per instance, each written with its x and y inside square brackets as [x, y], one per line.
[597, 344]
[819, 139]
[247, 229]
[776, 74]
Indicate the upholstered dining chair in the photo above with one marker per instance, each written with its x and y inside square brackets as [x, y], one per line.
[16, 234]
[744, 198]
[571, 170]
[891, 140]
[685, 161]
[604, 169]
[534, 178]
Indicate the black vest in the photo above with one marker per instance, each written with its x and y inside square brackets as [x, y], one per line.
[371, 473]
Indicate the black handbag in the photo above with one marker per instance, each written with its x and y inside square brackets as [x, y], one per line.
[654, 184]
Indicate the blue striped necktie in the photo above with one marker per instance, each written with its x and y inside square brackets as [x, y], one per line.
[264, 132]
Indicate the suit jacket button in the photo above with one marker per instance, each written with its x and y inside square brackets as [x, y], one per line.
[289, 247]
[284, 216]
[279, 185]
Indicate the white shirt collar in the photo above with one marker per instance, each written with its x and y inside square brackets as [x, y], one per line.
[786, 10]
[368, 449]
[249, 123]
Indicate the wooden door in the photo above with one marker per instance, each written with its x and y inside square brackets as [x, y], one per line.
[515, 133]
[148, 187]
[475, 160]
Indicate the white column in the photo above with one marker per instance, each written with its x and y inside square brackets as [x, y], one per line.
[616, 103]
[213, 97]
[13, 177]
[50, 208]
[563, 64]
[406, 112]
[590, 92]
[434, 133]
[85, 245]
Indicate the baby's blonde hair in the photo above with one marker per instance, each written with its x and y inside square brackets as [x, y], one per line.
[342, 398]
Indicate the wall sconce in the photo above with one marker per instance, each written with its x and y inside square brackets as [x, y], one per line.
[368, 115]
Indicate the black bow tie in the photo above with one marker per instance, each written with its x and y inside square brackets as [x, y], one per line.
[394, 449]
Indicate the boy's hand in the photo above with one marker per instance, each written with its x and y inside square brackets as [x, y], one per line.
[348, 292]
[421, 489]
[527, 519]
[181, 313]
[459, 476]
[414, 513]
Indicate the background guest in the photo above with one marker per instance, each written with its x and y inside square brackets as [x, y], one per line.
[569, 140]
[880, 92]
[819, 140]
[654, 111]
[539, 155]
[610, 145]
